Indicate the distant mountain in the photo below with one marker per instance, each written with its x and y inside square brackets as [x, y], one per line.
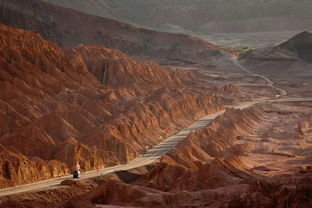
[203, 15]
[298, 48]
[290, 60]
[69, 28]
[301, 45]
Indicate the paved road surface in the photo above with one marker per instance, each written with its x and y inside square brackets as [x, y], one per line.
[153, 155]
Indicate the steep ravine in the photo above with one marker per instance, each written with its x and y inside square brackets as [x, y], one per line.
[215, 167]
[56, 110]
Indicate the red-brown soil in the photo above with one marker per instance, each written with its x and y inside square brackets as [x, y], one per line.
[216, 166]
[89, 104]
[226, 173]
[98, 107]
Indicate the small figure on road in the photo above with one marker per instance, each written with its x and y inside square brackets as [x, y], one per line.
[76, 172]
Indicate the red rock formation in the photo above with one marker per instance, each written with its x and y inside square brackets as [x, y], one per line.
[18, 169]
[283, 191]
[208, 158]
[222, 179]
[225, 180]
[304, 128]
[219, 139]
[133, 195]
[56, 111]
[115, 69]
[203, 165]
[255, 193]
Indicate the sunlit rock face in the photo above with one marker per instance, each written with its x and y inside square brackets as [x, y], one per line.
[218, 166]
[88, 105]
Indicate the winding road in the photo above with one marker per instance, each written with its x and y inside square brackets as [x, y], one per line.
[154, 154]
[269, 82]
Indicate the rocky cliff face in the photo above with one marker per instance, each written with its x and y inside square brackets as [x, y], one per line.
[208, 158]
[213, 168]
[216, 166]
[88, 104]
[80, 28]
[117, 70]
[207, 169]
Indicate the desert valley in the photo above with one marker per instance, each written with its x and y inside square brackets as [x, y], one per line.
[132, 103]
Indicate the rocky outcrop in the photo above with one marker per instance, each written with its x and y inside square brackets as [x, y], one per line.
[224, 179]
[209, 157]
[258, 193]
[146, 197]
[57, 110]
[278, 193]
[304, 128]
[80, 28]
[117, 70]
[219, 139]
[16, 168]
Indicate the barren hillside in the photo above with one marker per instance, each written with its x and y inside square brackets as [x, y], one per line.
[80, 28]
[89, 104]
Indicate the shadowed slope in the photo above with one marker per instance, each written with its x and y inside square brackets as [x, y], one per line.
[80, 28]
